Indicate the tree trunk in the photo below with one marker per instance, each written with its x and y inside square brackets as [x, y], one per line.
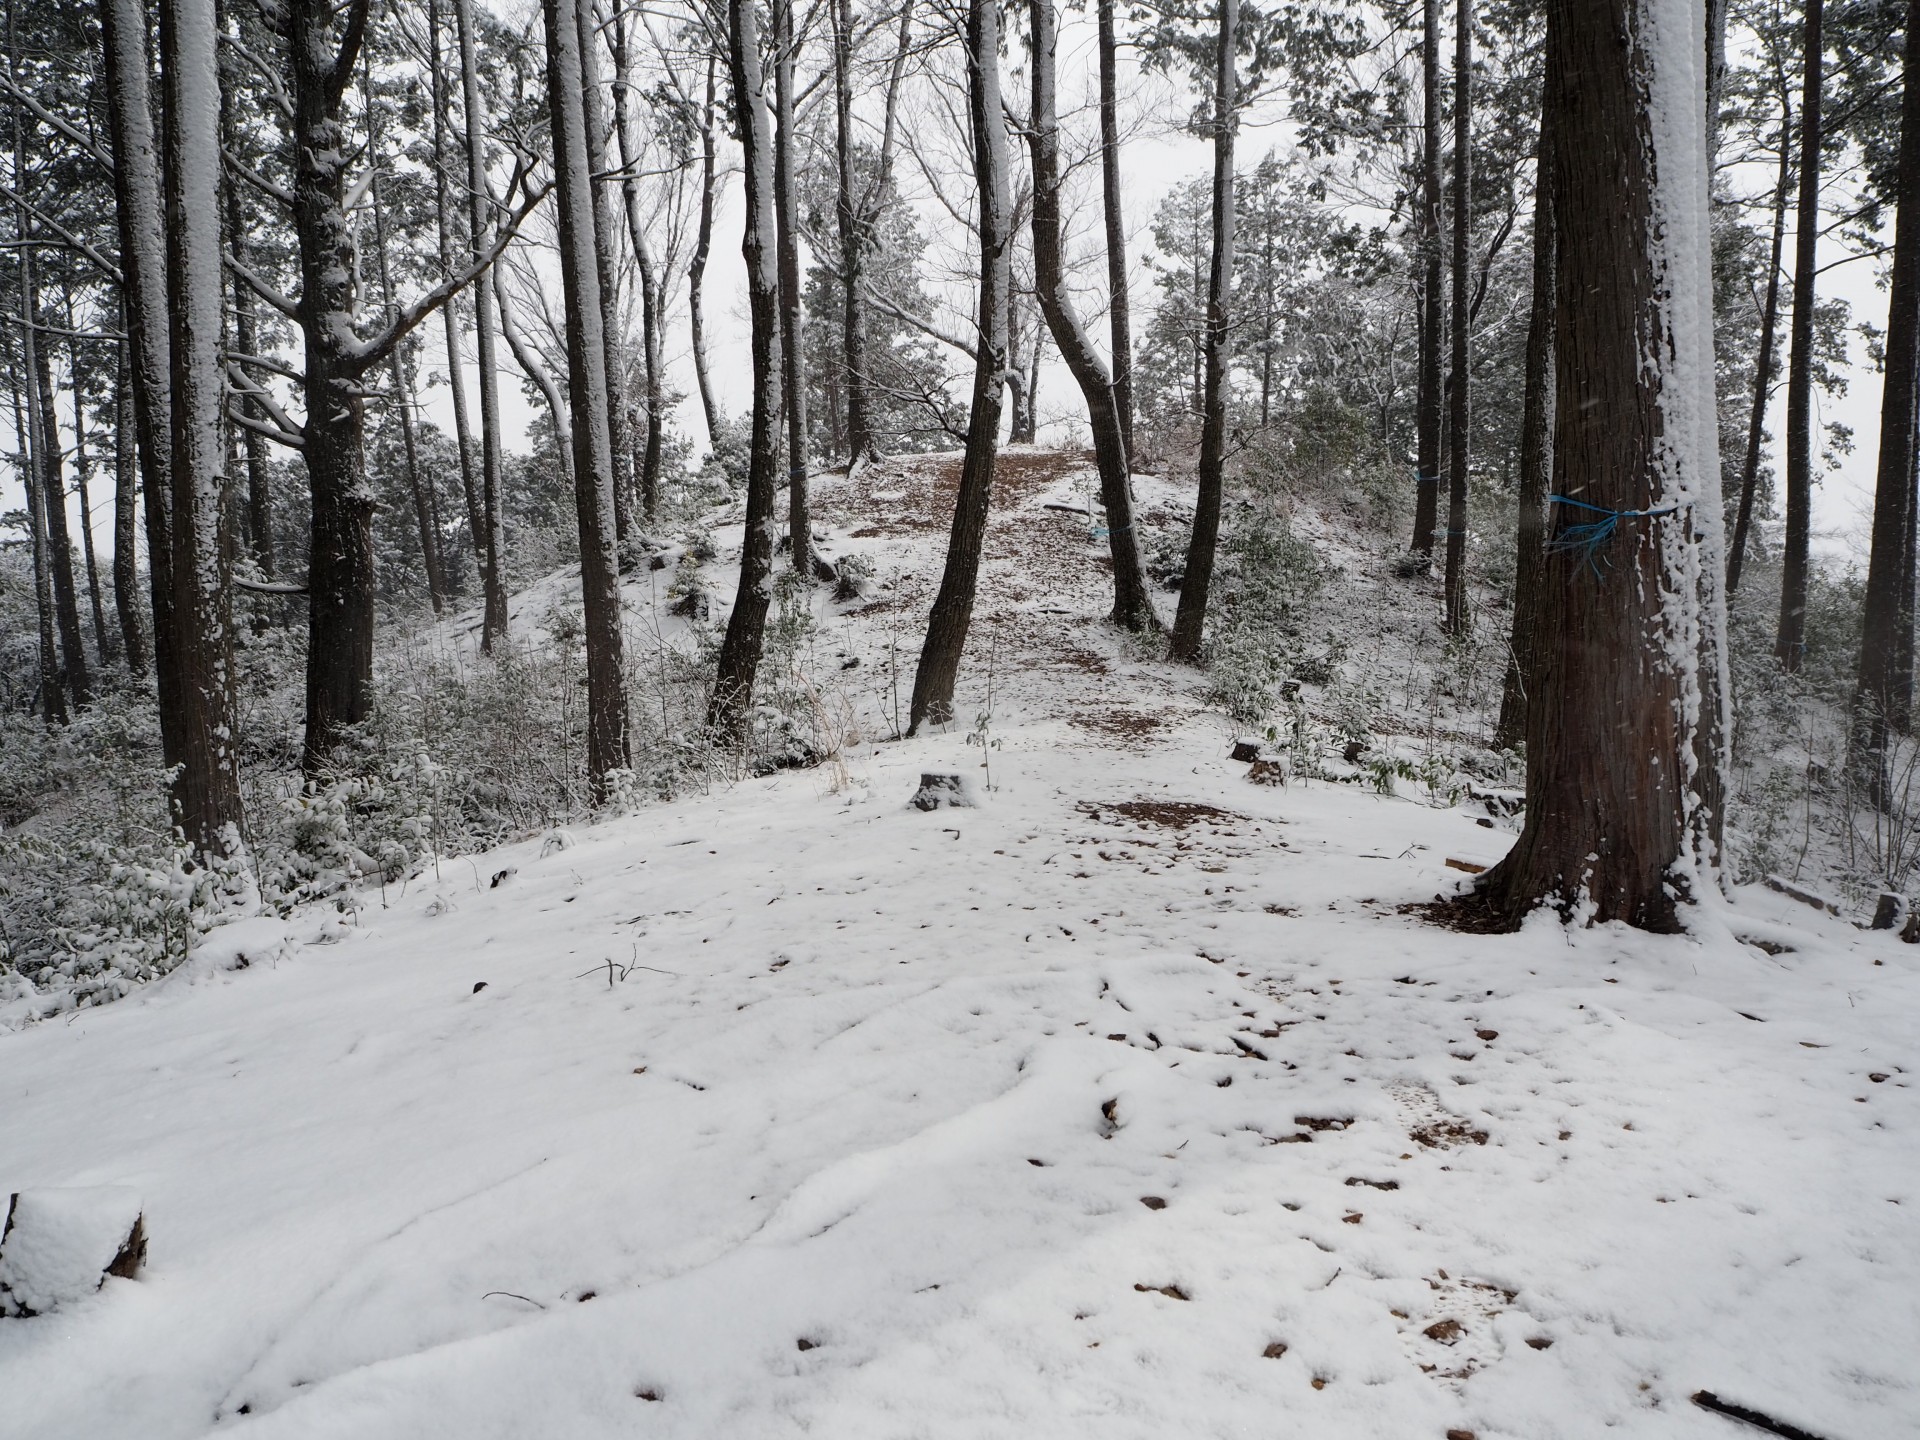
[853, 245]
[53, 495]
[697, 265]
[1132, 608]
[541, 377]
[126, 486]
[1427, 405]
[595, 475]
[786, 206]
[1190, 623]
[450, 313]
[259, 525]
[952, 614]
[605, 251]
[650, 317]
[103, 638]
[729, 713]
[1536, 460]
[1611, 725]
[53, 694]
[143, 265]
[1459, 440]
[207, 791]
[341, 563]
[1791, 642]
[493, 539]
[1119, 308]
[1762, 371]
[1877, 700]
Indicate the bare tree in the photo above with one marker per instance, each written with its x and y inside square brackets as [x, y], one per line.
[1790, 643]
[1427, 405]
[1459, 379]
[952, 614]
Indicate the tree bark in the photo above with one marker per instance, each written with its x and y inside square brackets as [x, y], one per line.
[952, 614]
[103, 638]
[1877, 699]
[45, 430]
[1132, 607]
[126, 486]
[853, 245]
[793, 376]
[1763, 366]
[697, 264]
[143, 265]
[259, 512]
[1790, 643]
[53, 694]
[207, 791]
[605, 252]
[493, 538]
[1427, 405]
[1536, 460]
[1189, 625]
[650, 317]
[730, 711]
[1611, 726]
[594, 464]
[1459, 439]
[1119, 307]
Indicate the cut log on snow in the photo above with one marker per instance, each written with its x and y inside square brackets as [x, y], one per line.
[941, 790]
[59, 1246]
[1794, 892]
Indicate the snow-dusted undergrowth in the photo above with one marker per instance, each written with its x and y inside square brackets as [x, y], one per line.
[1125, 1104]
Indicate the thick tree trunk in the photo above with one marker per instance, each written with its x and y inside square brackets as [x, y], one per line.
[493, 537]
[207, 791]
[605, 253]
[697, 264]
[1190, 623]
[594, 464]
[143, 264]
[1536, 460]
[126, 486]
[1459, 438]
[1790, 643]
[1877, 700]
[1611, 725]
[1119, 307]
[793, 375]
[1427, 404]
[1763, 366]
[952, 614]
[729, 714]
[341, 561]
[1132, 608]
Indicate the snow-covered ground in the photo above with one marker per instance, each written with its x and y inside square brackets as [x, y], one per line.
[1127, 1103]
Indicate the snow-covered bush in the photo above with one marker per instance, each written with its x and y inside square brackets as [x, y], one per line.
[1264, 587]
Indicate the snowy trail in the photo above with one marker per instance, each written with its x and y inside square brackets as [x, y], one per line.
[868, 1151]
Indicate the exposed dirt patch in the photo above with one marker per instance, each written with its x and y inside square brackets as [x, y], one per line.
[1121, 724]
[1169, 814]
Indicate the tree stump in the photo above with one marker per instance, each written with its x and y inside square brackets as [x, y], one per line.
[941, 790]
[1891, 910]
[59, 1246]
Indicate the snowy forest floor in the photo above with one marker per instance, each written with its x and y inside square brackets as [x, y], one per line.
[1128, 1103]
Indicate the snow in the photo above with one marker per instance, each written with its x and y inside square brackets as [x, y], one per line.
[790, 1109]
[59, 1244]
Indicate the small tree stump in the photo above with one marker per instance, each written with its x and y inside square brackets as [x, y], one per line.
[1246, 751]
[59, 1246]
[941, 789]
[1891, 910]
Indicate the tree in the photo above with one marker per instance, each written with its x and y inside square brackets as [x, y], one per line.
[1113, 210]
[729, 712]
[1879, 703]
[1790, 642]
[595, 475]
[1459, 379]
[1612, 821]
[1190, 621]
[1428, 404]
[1132, 608]
[947, 625]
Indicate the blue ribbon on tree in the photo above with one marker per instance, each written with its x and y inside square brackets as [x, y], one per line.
[1586, 538]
